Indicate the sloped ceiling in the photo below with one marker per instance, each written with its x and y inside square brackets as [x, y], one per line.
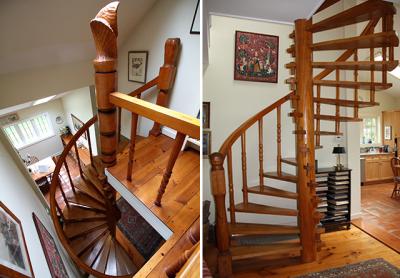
[51, 32]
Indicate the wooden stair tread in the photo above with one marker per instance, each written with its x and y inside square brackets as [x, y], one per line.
[264, 209]
[289, 160]
[75, 230]
[90, 173]
[250, 229]
[111, 267]
[272, 191]
[283, 176]
[125, 265]
[91, 254]
[345, 102]
[89, 189]
[359, 65]
[328, 133]
[383, 39]
[76, 214]
[83, 243]
[83, 200]
[252, 251]
[353, 84]
[334, 118]
[101, 262]
[362, 12]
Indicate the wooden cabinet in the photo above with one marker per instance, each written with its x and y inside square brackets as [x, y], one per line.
[377, 167]
[391, 118]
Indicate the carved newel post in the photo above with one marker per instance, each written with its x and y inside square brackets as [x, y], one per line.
[105, 32]
[219, 192]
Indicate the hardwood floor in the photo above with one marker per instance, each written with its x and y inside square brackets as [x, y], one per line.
[341, 248]
[380, 214]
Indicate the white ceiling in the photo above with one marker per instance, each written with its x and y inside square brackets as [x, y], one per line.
[51, 32]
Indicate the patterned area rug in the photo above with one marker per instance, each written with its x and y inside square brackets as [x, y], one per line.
[377, 268]
[136, 229]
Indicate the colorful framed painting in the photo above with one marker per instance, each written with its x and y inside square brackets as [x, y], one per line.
[388, 132]
[53, 257]
[256, 57]
[14, 257]
[137, 66]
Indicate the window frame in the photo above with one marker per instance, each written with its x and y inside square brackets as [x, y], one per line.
[378, 131]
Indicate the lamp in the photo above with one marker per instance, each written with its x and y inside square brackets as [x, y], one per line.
[338, 150]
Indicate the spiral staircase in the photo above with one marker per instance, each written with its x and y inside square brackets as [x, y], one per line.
[85, 215]
[301, 241]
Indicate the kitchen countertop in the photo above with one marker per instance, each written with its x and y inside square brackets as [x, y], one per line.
[376, 153]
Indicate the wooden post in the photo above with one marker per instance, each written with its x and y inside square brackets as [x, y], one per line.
[105, 64]
[222, 233]
[305, 142]
[134, 121]
[166, 77]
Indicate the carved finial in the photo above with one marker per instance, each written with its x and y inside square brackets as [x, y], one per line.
[217, 161]
[109, 14]
[171, 50]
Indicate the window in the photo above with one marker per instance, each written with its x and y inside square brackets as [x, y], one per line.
[29, 131]
[370, 131]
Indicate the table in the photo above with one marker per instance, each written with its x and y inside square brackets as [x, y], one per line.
[42, 168]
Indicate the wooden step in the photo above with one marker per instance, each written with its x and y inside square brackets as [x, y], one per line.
[81, 244]
[328, 133]
[362, 12]
[345, 102]
[75, 230]
[83, 201]
[283, 250]
[91, 254]
[249, 229]
[360, 65]
[111, 267]
[383, 39]
[289, 160]
[272, 191]
[264, 209]
[86, 187]
[125, 264]
[283, 176]
[334, 118]
[78, 214]
[90, 174]
[353, 84]
[101, 262]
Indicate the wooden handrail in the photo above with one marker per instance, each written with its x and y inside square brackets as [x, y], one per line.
[243, 127]
[145, 87]
[180, 122]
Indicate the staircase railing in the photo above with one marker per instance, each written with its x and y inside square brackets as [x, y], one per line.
[185, 125]
[218, 182]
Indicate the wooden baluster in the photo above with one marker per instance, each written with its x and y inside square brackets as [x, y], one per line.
[134, 121]
[337, 121]
[279, 140]
[384, 71]
[60, 211]
[78, 159]
[318, 137]
[244, 168]
[372, 77]
[119, 124]
[69, 175]
[179, 139]
[356, 89]
[174, 268]
[261, 153]
[62, 192]
[224, 259]
[231, 192]
[90, 147]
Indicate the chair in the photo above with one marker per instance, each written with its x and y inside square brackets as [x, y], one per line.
[395, 163]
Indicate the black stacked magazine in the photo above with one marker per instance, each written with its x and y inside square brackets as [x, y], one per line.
[333, 190]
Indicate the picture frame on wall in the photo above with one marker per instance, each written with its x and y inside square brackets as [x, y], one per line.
[388, 132]
[206, 143]
[14, 256]
[195, 27]
[137, 66]
[206, 114]
[53, 257]
[256, 57]
[77, 124]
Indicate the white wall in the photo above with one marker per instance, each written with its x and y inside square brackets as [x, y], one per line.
[49, 146]
[18, 195]
[78, 103]
[166, 19]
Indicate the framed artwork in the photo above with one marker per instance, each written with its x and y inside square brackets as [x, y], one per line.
[256, 57]
[195, 28]
[137, 66]
[206, 143]
[14, 257]
[77, 124]
[206, 114]
[388, 132]
[53, 257]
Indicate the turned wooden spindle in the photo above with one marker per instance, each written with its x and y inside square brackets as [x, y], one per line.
[278, 141]
[230, 184]
[134, 122]
[224, 261]
[337, 107]
[318, 121]
[244, 168]
[166, 77]
[90, 146]
[180, 138]
[78, 159]
[69, 175]
[356, 89]
[261, 153]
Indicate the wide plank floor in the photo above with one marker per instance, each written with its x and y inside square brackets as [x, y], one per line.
[341, 248]
[380, 214]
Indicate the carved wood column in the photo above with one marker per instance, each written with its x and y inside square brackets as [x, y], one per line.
[305, 141]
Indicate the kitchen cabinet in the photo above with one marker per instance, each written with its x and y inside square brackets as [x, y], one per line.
[391, 118]
[377, 167]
